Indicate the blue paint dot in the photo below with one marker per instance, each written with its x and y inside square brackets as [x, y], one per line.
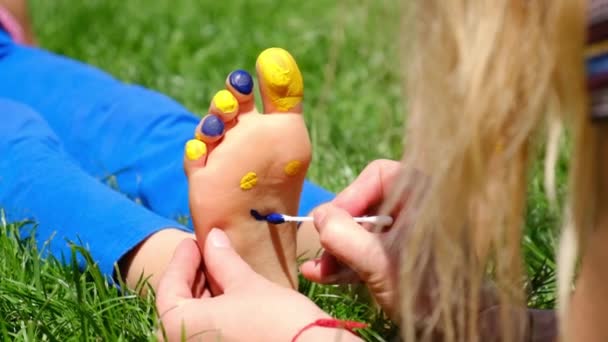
[241, 80]
[257, 215]
[212, 126]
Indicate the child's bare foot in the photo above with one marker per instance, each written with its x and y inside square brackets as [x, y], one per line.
[243, 160]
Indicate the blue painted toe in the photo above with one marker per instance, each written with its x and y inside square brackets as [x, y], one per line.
[212, 126]
[242, 81]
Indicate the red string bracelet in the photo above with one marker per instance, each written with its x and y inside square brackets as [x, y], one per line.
[332, 323]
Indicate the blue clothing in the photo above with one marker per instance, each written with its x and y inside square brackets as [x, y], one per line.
[71, 136]
[597, 65]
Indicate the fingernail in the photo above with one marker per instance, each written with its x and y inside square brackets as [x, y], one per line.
[218, 238]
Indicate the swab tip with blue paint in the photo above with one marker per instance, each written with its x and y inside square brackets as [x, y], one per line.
[276, 218]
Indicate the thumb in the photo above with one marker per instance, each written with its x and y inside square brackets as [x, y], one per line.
[180, 276]
[225, 268]
[351, 243]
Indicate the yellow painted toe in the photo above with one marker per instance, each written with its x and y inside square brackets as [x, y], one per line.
[282, 78]
[195, 149]
[225, 101]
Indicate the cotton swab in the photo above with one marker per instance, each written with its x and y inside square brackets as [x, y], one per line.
[380, 220]
[276, 218]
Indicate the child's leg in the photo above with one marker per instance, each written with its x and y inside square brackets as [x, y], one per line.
[125, 135]
[128, 135]
[39, 181]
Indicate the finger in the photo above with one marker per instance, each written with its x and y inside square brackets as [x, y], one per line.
[206, 293]
[225, 268]
[200, 288]
[350, 243]
[370, 187]
[328, 270]
[182, 273]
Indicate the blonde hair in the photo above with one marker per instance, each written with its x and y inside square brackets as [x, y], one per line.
[487, 79]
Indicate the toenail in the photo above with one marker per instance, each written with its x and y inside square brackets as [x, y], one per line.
[276, 67]
[225, 101]
[292, 168]
[195, 149]
[282, 77]
[212, 126]
[242, 81]
[249, 180]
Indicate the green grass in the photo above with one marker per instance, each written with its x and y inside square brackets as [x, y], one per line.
[348, 53]
[44, 300]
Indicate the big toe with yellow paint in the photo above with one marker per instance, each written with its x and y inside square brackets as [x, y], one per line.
[242, 160]
[281, 82]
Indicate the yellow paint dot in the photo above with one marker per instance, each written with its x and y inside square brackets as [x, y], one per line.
[195, 149]
[249, 181]
[225, 101]
[293, 167]
[282, 78]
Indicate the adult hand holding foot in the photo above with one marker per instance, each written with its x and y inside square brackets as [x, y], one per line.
[248, 307]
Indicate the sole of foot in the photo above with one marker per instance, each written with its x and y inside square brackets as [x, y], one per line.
[242, 160]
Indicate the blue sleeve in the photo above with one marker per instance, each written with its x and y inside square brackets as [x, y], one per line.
[39, 181]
